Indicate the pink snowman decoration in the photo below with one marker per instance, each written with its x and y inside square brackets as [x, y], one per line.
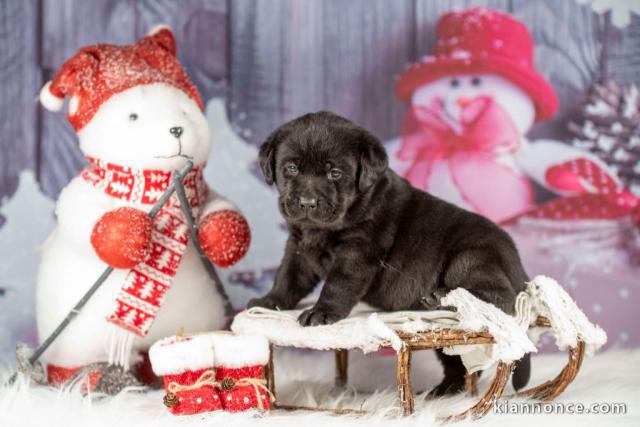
[470, 105]
[463, 139]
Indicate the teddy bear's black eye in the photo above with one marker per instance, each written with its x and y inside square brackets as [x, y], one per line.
[476, 81]
[454, 83]
[133, 117]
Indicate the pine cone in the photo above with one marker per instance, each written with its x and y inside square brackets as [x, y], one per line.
[170, 400]
[610, 129]
[227, 384]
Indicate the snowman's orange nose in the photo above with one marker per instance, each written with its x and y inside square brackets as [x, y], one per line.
[463, 101]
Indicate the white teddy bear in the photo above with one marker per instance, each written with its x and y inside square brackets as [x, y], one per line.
[138, 118]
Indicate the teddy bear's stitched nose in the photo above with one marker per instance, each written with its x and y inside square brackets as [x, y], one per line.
[176, 131]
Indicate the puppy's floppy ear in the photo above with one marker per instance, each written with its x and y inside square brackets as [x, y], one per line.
[373, 161]
[267, 157]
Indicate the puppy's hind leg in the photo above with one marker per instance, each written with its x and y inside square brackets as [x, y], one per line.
[454, 373]
[479, 271]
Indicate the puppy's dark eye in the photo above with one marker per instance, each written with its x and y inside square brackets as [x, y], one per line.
[334, 174]
[476, 81]
[133, 117]
[291, 169]
[454, 83]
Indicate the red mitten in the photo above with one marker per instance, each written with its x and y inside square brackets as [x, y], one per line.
[581, 175]
[122, 237]
[225, 237]
[560, 177]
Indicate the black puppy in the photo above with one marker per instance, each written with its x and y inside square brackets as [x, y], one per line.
[371, 236]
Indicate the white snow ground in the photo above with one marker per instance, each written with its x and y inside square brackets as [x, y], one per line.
[306, 379]
[29, 220]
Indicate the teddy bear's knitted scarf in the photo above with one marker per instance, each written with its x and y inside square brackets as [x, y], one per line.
[144, 288]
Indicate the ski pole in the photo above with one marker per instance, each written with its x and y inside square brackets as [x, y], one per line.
[103, 277]
[213, 274]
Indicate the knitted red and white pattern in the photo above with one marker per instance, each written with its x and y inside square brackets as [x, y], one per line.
[96, 73]
[144, 288]
[210, 371]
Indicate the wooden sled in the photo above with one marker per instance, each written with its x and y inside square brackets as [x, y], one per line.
[441, 339]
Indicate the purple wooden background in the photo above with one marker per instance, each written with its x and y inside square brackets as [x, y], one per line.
[276, 59]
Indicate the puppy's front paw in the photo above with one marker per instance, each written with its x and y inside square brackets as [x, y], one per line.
[267, 301]
[317, 316]
[432, 300]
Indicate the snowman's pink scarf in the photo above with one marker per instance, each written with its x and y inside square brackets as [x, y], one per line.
[488, 186]
[144, 288]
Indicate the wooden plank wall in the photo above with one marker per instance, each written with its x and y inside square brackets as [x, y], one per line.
[19, 76]
[276, 59]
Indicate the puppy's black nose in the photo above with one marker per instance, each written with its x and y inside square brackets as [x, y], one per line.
[308, 203]
[176, 131]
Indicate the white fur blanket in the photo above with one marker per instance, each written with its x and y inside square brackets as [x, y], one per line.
[369, 330]
[306, 379]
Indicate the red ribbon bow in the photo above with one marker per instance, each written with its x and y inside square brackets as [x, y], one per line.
[486, 131]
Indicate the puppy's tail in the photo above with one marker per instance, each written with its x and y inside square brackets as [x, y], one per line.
[522, 372]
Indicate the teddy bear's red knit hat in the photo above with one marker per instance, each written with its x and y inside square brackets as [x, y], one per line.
[100, 71]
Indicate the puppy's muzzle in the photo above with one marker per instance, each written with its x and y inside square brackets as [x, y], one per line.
[308, 203]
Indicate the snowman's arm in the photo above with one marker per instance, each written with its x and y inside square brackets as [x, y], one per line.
[78, 209]
[536, 158]
[215, 202]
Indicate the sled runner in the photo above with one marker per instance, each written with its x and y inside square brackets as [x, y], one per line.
[480, 333]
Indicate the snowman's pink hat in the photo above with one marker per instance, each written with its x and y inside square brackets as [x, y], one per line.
[480, 40]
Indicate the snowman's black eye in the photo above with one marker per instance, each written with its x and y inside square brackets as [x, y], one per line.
[133, 117]
[454, 83]
[476, 81]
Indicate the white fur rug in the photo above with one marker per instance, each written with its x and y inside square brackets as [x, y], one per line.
[305, 378]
